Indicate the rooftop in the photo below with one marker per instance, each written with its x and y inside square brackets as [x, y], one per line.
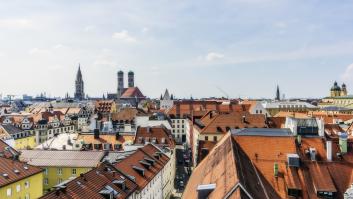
[88, 159]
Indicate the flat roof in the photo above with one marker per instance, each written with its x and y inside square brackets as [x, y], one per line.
[262, 132]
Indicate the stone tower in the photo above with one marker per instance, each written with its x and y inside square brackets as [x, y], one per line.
[131, 80]
[120, 83]
[79, 85]
[344, 90]
[278, 94]
[335, 90]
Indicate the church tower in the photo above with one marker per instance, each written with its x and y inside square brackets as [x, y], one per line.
[120, 83]
[79, 85]
[335, 90]
[344, 90]
[278, 94]
[130, 79]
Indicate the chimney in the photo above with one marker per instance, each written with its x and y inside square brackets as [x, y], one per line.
[96, 133]
[312, 152]
[329, 150]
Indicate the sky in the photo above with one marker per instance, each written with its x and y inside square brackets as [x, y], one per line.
[199, 48]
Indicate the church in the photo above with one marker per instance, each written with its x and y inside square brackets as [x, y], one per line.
[131, 94]
[338, 97]
[79, 85]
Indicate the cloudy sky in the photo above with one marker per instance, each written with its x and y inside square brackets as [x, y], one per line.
[200, 48]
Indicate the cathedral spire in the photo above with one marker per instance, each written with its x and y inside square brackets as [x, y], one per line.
[278, 94]
[79, 85]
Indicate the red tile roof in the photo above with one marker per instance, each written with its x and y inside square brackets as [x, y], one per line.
[222, 123]
[14, 169]
[191, 107]
[157, 135]
[249, 160]
[132, 92]
[228, 167]
[126, 114]
[148, 151]
[89, 185]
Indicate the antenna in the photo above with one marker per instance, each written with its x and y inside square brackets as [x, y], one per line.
[222, 91]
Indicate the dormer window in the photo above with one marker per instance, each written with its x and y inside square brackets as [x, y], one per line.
[139, 170]
[108, 192]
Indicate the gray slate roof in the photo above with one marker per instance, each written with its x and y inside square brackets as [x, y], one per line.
[262, 132]
[53, 158]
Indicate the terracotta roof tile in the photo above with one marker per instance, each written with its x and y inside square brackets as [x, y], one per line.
[89, 185]
[158, 135]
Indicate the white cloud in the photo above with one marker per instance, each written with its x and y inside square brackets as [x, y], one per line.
[348, 73]
[145, 30]
[280, 24]
[213, 56]
[34, 51]
[15, 23]
[89, 28]
[124, 36]
[58, 46]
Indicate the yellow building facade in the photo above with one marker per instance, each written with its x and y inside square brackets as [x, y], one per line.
[25, 143]
[57, 175]
[27, 188]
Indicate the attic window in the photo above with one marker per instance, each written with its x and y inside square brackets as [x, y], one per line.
[120, 183]
[5, 175]
[149, 160]
[145, 164]
[139, 170]
[219, 129]
[16, 171]
[156, 156]
[108, 192]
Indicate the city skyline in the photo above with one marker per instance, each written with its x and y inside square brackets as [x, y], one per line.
[245, 48]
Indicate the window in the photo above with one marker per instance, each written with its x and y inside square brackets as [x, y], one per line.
[18, 188]
[60, 180]
[215, 138]
[46, 171]
[73, 171]
[27, 184]
[45, 181]
[59, 171]
[9, 192]
[206, 138]
[27, 196]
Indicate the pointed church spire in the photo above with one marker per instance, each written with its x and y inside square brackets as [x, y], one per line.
[79, 85]
[278, 94]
